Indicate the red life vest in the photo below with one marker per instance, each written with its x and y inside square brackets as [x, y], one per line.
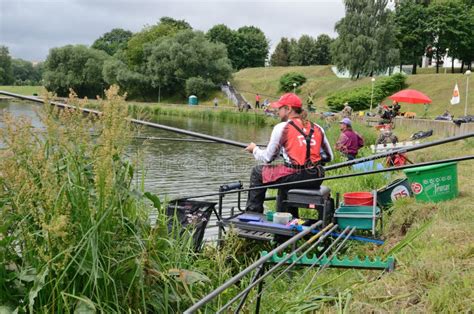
[303, 143]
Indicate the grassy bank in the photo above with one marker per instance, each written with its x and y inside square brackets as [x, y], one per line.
[23, 90]
[322, 82]
[430, 241]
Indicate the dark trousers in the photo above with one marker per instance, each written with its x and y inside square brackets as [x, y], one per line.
[257, 104]
[350, 156]
[256, 198]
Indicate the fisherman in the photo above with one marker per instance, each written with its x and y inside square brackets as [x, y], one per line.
[347, 111]
[303, 146]
[349, 142]
[386, 137]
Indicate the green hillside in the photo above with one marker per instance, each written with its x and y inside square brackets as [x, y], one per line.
[322, 82]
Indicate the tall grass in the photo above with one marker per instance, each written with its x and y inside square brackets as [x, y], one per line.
[75, 234]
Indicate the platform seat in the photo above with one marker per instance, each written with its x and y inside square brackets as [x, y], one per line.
[310, 197]
[319, 199]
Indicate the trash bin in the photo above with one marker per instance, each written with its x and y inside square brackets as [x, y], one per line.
[434, 183]
[193, 100]
[399, 188]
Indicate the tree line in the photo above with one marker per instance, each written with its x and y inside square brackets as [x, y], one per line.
[171, 58]
[18, 71]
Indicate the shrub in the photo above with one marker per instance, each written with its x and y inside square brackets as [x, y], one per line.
[198, 86]
[359, 98]
[287, 80]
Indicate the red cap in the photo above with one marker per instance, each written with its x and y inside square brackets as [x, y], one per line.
[288, 99]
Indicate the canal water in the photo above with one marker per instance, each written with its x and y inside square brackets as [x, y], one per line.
[179, 169]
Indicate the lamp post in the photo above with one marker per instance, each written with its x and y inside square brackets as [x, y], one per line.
[372, 94]
[294, 88]
[468, 73]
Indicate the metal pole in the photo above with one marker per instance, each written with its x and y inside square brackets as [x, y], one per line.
[317, 236]
[467, 90]
[159, 93]
[259, 262]
[372, 94]
[342, 176]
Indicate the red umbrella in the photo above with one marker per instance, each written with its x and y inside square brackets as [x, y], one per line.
[411, 96]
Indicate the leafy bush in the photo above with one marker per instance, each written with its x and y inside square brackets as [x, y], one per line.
[287, 80]
[198, 86]
[359, 98]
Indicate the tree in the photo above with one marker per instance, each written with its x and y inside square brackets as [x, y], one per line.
[166, 27]
[6, 70]
[254, 47]
[451, 27]
[293, 52]
[246, 47]
[366, 44]
[280, 57]
[322, 49]
[173, 60]
[288, 81]
[306, 51]
[411, 18]
[76, 67]
[112, 41]
[24, 73]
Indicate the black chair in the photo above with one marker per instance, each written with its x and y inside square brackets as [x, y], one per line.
[319, 199]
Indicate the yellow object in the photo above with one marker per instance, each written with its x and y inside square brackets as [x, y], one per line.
[361, 113]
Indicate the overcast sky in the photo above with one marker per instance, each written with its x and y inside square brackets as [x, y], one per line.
[29, 28]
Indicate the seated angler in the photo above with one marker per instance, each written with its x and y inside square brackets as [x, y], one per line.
[303, 146]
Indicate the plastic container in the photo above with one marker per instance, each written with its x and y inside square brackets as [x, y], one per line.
[282, 218]
[358, 199]
[361, 217]
[434, 183]
[270, 215]
[399, 188]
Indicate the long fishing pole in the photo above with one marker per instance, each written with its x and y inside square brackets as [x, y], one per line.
[342, 176]
[244, 145]
[321, 235]
[247, 270]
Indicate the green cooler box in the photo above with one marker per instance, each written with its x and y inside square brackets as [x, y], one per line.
[434, 183]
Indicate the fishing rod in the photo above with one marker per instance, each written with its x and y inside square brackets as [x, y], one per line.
[342, 176]
[135, 121]
[173, 139]
[244, 145]
[321, 235]
[247, 270]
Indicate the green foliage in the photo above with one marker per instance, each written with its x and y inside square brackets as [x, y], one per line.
[360, 98]
[451, 26]
[366, 42]
[6, 71]
[288, 80]
[112, 41]
[25, 73]
[76, 67]
[411, 19]
[167, 27]
[199, 86]
[281, 55]
[246, 47]
[305, 51]
[172, 60]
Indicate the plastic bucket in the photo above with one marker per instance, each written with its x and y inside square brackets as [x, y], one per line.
[434, 183]
[358, 199]
[399, 188]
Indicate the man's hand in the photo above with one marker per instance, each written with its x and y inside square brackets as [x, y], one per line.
[251, 147]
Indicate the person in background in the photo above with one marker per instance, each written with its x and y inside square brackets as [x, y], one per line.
[386, 137]
[257, 101]
[396, 108]
[347, 111]
[216, 101]
[349, 142]
[303, 146]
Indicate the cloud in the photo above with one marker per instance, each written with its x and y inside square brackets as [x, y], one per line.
[30, 28]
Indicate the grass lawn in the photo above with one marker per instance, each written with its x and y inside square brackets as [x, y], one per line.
[23, 90]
